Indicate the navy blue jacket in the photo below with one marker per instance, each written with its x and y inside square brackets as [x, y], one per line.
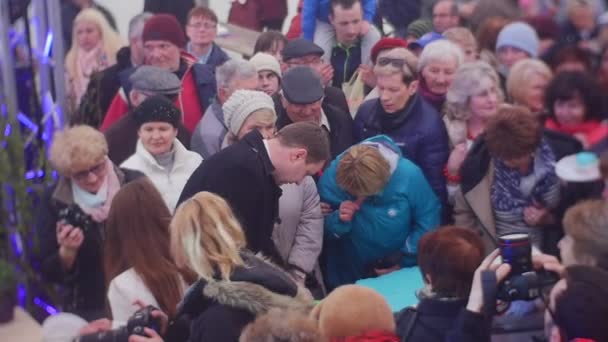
[421, 137]
[217, 56]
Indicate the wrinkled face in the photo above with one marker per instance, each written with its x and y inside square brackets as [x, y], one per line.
[310, 112]
[296, 168]
[137, 50]
[157, 137]
[313, 61]
[162, 54]
[571, 111]
[88, 35]
[201, 30]
[534, 97]
[485, 103]
[347, 23]
[439, 75]
[509, 55]
[91, 178]
[267, 129]
[268, 82]
[443, 18]
[393, 93]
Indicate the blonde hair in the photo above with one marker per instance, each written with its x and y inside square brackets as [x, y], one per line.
[205, 236]
[461, 36]
[112, 42]
[586, 224]
[519, 77]
[77, 148]
[265, 116]
[363, 171]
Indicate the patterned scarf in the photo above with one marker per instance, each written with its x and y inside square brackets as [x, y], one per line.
[506, 195]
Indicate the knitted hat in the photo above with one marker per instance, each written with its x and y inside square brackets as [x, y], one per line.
[155, 80]
[241, 104]
[266, 62]
[519, 35]
[419, 28]
[157, 108]
[164, 27]
[386, 44]
[353, 310]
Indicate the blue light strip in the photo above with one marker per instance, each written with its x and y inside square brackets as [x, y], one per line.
[51, 310]
[48, 45]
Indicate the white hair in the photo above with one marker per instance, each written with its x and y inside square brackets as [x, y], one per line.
[440, 50]
[232, 70]
[136, 24]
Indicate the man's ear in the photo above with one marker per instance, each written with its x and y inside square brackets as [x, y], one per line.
[299, 154]
[133, 97]
[413, 86]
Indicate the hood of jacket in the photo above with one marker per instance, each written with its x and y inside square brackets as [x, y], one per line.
[387, 148]
[256, 288]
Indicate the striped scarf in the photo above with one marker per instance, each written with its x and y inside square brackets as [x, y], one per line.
[509, 201]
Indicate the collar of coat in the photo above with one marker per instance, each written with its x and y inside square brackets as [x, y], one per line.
[257, 287]
[255, 141]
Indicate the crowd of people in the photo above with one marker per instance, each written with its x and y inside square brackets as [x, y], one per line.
[244, 199]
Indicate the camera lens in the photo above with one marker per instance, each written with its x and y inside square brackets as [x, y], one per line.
[516, 250]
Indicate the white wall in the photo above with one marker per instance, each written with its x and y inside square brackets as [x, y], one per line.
[124, 10]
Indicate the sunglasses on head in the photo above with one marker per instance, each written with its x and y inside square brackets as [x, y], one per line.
[396, 62]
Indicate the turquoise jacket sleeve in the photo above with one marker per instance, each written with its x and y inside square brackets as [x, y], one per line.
[336, 228]
[425, 208]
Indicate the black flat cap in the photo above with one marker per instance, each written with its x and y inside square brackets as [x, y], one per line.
[302, 85]
[299, 48]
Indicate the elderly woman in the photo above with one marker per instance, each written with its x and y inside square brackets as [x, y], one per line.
[448, 258]
[437, 65]
[575, 105]
[269, 72]
[72, 215]
[471, 101]
[299, 235]
[159, 155]
[234, 286]
[464, 38]
[94, 48]
[527, 84]
[381, 204]
[508, 181]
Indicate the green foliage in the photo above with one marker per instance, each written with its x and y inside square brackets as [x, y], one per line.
[8, 280]
[18, 200]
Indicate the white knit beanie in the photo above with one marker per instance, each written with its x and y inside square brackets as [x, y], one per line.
[241, 104]
[263, 61]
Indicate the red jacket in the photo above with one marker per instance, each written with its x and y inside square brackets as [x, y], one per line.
[188, 101]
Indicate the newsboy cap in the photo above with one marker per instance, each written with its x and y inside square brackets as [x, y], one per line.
[302, 85]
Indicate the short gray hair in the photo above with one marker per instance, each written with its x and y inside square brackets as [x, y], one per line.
[470, 79]
[440, 50]
[234, 69]
[136, 24]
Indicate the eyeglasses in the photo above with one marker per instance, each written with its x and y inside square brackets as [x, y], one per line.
[396, 62]
[207, 25]
[97, 170]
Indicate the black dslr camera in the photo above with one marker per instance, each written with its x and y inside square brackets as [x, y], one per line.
[135, 326]
[523, 283]
[75, 217]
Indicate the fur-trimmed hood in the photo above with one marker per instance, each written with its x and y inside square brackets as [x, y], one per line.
[257, 287]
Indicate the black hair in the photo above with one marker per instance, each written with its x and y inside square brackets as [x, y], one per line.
[569, 84]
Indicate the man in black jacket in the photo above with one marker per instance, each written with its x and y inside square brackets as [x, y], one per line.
[248, 174]
[302, 100]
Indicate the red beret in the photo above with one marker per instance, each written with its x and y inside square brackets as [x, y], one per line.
[386, 44]
[164, 27]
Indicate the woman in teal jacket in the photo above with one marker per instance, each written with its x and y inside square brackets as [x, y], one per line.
[382, 205]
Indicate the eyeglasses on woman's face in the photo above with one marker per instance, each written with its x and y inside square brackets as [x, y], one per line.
[97, 170]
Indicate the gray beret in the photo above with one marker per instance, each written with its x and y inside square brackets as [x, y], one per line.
[155, 80]
[299, 48]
